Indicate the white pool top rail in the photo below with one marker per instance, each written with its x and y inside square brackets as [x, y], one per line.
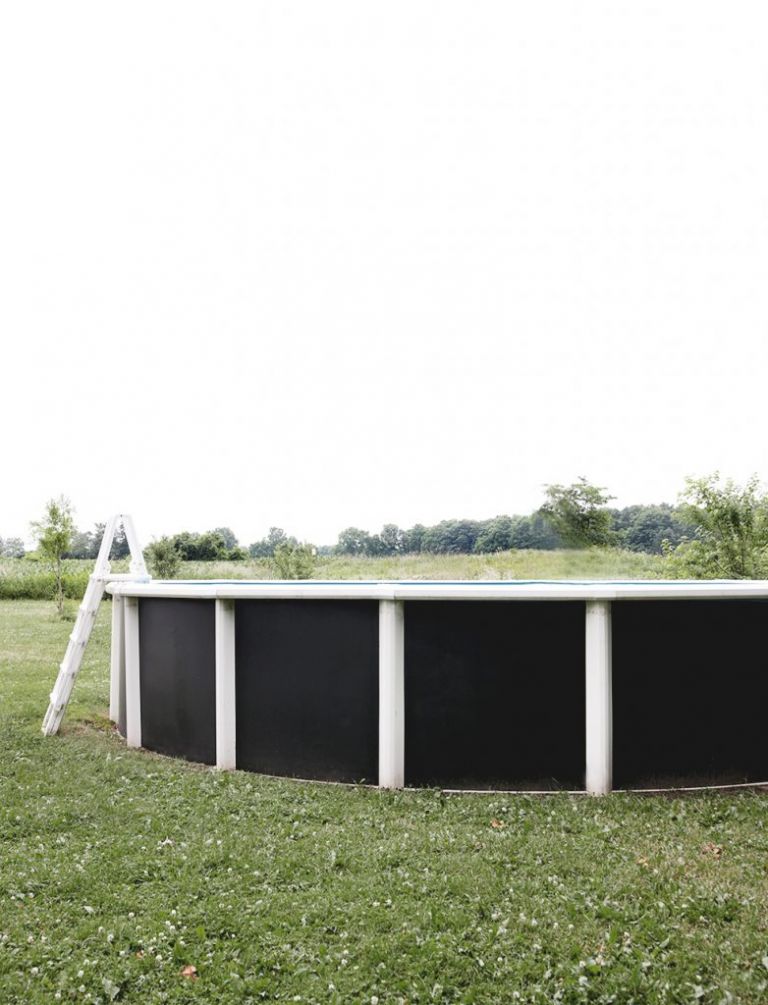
[648, 589]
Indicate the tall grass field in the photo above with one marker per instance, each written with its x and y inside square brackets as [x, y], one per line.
[22, 579]
[134, 878]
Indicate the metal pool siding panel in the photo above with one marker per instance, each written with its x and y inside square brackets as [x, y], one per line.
[178, 683]
[307, 680]
[690, 692]
[495, 694]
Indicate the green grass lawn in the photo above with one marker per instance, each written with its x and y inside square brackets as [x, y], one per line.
[119, 869]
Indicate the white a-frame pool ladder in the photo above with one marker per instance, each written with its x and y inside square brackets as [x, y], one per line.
[86, 615]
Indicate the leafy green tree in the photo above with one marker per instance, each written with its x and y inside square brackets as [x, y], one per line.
[228, 537]
[164, 558]
[495, 535]
[413, 539]
[80, 546]
[353, 541]
[259, 549]
[96, 536]
[120, 546]
[208, 547]
[54, 534]
[375, 546]
[451, 537]
[392, 539]
[646, 528]
[534, 533]
[278, 536]
[579, 514]
[12, 547]
[732, 526]
[265, 548]
[186, 544]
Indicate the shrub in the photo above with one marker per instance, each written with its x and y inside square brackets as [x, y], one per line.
[293, 561]
[732, 527]
[20, 584]
[164, 558]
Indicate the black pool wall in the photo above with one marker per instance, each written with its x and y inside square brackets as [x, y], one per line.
[494, 690]
[177, 668]
[494, 694]
[690, 692]
[307, 685]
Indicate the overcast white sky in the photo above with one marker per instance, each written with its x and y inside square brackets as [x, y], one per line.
[327, 263]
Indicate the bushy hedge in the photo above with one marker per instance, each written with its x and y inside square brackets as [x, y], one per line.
[39, 585]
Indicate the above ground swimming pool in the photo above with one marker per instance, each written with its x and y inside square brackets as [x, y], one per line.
[509, 685]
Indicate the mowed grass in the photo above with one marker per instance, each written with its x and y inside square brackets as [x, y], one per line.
[121, 870]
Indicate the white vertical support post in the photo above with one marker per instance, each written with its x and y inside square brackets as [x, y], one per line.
[391, 694]
[226, 745]
[132, 677]
[117, 661]
[599, 779]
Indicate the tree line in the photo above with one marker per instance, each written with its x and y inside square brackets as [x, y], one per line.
[636, 528]
[718, 529]
[212, 545]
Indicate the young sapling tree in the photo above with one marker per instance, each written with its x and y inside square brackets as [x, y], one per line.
[54, 533]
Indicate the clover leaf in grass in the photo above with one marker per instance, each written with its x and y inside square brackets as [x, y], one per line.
[111, 989]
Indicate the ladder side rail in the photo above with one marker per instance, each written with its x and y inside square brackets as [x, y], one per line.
[70, 665]
[102, 566]
[138, 568]
[86, 617]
